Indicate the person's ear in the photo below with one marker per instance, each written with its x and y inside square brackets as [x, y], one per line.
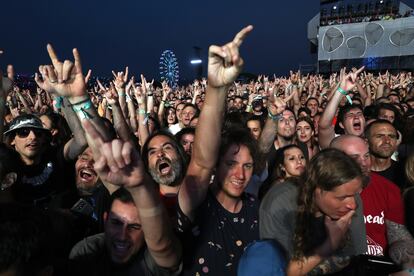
[341, 125]
[54, 131]
[8, 180]
[105, 216]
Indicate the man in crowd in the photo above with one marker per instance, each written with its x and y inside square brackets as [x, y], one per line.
[351, 118]
[382, 139]
[383, 207]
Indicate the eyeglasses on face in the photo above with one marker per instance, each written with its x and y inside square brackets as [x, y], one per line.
[24, 132]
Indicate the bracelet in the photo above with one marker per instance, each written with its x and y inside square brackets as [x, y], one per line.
[58, 102]
[142, 111]
[410, 271]
[121, 94]
[274, 117]
[345, 93]
[81, 102]
[149, 95]
[81, 110]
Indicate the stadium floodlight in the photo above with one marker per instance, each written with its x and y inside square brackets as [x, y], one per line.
[196, 61]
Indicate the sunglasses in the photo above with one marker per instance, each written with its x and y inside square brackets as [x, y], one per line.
[24, 132]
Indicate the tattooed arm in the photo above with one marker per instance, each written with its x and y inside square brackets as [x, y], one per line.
[401, 244]
[331, 265]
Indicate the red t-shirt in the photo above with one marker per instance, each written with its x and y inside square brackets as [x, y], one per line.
[382, 201]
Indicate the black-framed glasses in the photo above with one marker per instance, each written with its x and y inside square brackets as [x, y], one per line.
[24, 132]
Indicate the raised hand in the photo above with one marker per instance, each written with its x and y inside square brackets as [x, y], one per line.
[63, 78]
[225, 63]
[5, 85]
[278, 105]
[10, 72]
[348, 81]
[120, 79]
[111, 95]
[117, 161]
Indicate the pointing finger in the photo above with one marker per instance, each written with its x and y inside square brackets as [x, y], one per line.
[240, 36]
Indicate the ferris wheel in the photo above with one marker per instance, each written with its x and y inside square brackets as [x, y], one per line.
[169, 68]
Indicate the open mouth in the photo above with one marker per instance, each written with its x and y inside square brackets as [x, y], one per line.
[121, 247]
[164, 167]
[357, 125]
[87, 174]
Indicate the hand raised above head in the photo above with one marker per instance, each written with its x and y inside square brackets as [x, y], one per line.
[63, 78]
[117, 161]
[224, 62]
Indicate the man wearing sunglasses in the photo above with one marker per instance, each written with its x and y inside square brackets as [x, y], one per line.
[46, 179]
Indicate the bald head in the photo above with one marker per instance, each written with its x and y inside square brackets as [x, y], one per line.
[355, 147]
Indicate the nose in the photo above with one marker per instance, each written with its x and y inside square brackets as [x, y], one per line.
[122, 233]
[160, 153]
[240, 173]
[351, 203]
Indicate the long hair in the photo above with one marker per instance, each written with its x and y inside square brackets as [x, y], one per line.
[327, 170]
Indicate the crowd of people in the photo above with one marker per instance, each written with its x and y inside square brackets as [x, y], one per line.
[357, 13]
[292, 175]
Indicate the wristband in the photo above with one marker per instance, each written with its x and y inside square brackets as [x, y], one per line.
[121, 94]
[142, 111]
[410, 271]
[80, 108]
[58, 102]
[345, 93]
[274, 117]
[149, 95]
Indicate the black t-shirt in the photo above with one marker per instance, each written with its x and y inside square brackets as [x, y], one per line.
[49, 184]
[90, 257]
[214, 243]
[395, 173]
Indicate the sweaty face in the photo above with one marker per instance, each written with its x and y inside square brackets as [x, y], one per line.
[29, 143]
[304, 131]
[86, 176]
[386, 114]
[312, 104]
[163, 163]
[255, 128]
[187, 114]
[339, 201]
[234, 171]
[123, 234]
[294, 162]
[187, 141]
[287, 125]
[382, 140]
[354, 122]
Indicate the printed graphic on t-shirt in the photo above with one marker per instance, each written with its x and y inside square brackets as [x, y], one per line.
[374, 248]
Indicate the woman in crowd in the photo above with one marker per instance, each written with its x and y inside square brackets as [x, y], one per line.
[305, 132]
[290, 164]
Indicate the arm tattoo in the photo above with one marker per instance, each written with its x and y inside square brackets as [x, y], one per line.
[401, 243]
[331, 265]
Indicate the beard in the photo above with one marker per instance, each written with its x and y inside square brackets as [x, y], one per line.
[169, 179]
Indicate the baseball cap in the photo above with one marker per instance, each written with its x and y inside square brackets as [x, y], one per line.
[26, 121]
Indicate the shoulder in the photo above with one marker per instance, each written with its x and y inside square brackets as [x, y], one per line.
[283, 195]
[91, 245]
[383, 182]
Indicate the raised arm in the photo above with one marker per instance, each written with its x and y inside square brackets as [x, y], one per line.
[224, 65]
[66, 79]
[118, 162]
[326, 129]
[5, 88]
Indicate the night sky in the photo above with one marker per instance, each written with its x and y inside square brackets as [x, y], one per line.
[113, 34]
